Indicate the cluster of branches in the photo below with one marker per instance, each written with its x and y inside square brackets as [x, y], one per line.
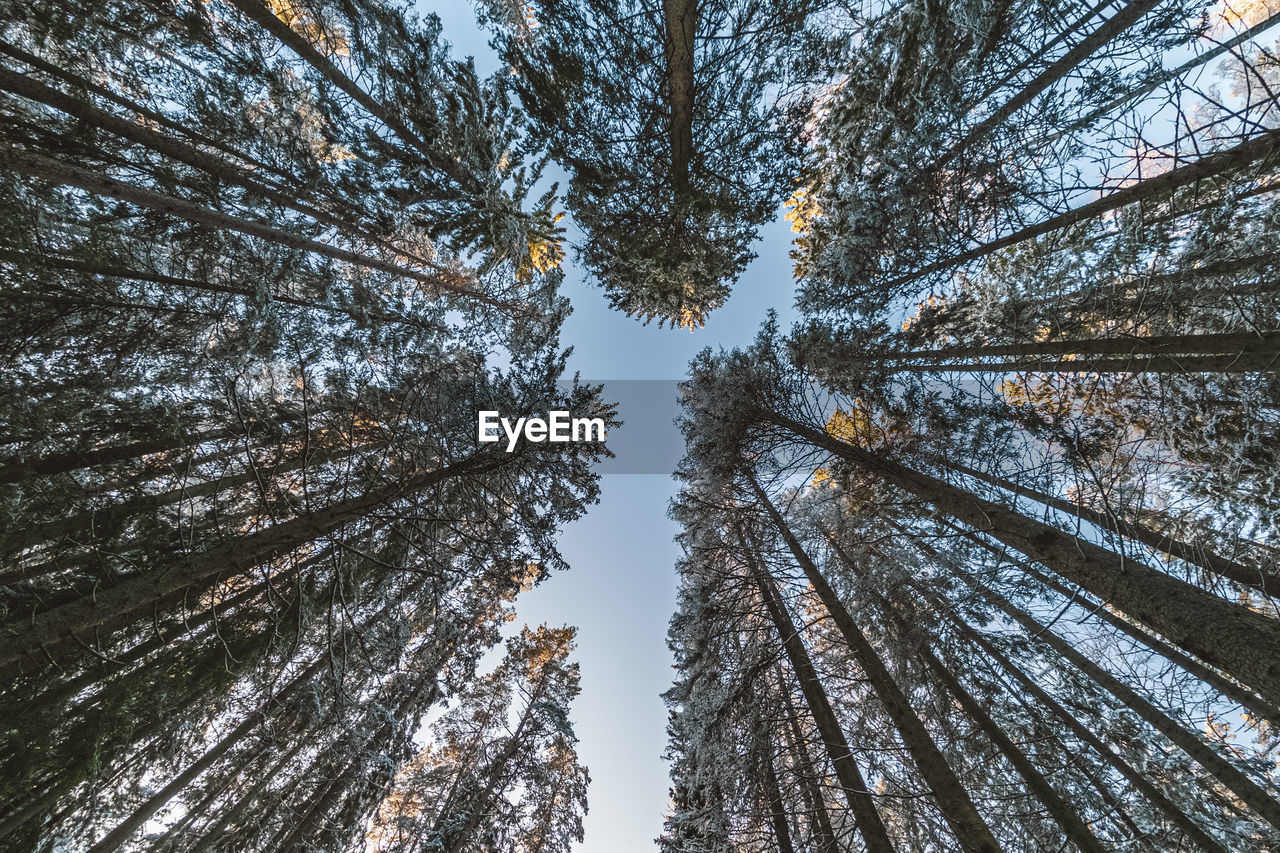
[674, 120]
[1081, 158]
[258, 260]
[895, 632]
[982, 556]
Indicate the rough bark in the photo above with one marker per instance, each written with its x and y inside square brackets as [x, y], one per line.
[680, 18]
[841, 756]
[39, 166]
[1236, 640]
[952, 798]
[50, 635]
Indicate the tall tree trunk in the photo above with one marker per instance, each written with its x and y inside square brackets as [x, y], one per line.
[111, 270]
[122, 831]
[81, 527]
[50, 635]
[1260, 147]
[1129, 14]
[1249, 792]
[49, 703]
[305, 835]
[824, 835]
[1172, 74]
[1256, 578]
[1252, 362]
[680, 18]
[1171, 345]
[39, 166]
[19, 469]
[1256, 706]
[212, 834]
[1075, 829]
[262, 15]
[476, 806]
[952, 798]
[1086, 735]
[777, 808]
[855, 788]
[159, 119]
[1233, 638]
[176, 149]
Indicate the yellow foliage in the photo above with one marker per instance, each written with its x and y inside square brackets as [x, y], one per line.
[932, 302]
[854, 427]
[546, 251]
[803, 209]
[324, 39]
[1246, 12]
[546, 645]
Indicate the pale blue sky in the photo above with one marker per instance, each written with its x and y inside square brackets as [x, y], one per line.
[621, 589]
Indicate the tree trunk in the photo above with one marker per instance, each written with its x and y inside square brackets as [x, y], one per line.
[1244, 154]
[1086, 735]
[1255, 706]
[1235, 780]
[82, 526]
[115, 271]
[212, 834]
[1169, 345]
[174, 148]
[1240, 642]
[1172, 74]
[1128, 15]
[117, 836]
[952, 798]
[477, 804]
[824, 835]
[38, 166]
[261, 14]
[855, 788]
[57, 632]
[680, 18]
[1256, 578]
[157, 118]
[1075, 829]
[777, 808]
[1240, 363]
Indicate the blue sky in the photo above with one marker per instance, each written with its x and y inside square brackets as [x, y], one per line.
[621, 590]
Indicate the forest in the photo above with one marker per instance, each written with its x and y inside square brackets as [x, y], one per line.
[980, 553]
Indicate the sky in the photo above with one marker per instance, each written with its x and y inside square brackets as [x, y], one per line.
[620, 591]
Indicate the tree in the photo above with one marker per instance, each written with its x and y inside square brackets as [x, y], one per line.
[672, 121]
[501, 772]
[918, 626]
[258, 260]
